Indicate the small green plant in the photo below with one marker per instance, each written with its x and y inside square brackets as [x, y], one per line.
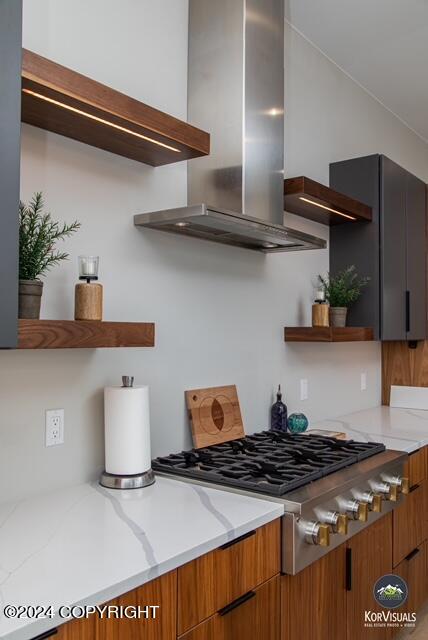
[343, 289]
[38, 235]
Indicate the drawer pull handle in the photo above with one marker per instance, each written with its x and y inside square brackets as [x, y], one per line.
[46, 634]
[407, 311]
[348, 569]
[237, 540]
[414, 487]
[412, 554]
[236, 603]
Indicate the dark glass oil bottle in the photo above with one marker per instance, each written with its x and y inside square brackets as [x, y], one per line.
[278, 413]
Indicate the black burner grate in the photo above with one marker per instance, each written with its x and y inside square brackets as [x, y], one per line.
[270, 462]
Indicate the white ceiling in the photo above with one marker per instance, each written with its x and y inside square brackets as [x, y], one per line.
[382, 44]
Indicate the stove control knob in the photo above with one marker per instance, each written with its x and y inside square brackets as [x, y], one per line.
[405, 486]
[358, 510]
[401, 483]
[393, 493]
[342, 524]
[318, 533]
[338, 522]
[388, 491]
[374, 501]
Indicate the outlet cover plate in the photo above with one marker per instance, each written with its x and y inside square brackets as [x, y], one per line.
[54, 431]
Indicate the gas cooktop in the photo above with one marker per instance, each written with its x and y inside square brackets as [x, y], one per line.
[269, 462]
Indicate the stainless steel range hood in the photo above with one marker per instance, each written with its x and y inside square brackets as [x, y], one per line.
[236, 92]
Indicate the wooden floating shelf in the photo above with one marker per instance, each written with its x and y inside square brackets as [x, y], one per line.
[84, 334]
[328, 334]
[315, 201]
[70, 104]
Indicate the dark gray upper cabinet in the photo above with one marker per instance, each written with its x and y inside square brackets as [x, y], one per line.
[10, 128]
[391, 249]
[416, 257]
[358, 243]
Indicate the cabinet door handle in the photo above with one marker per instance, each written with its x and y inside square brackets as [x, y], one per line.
[414, 487]
[348, 570]
[412, 554]
[407, 311]
[237, 540]
[236, 603]
[47, 634]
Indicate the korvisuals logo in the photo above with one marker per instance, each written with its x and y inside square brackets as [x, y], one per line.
[390, 591]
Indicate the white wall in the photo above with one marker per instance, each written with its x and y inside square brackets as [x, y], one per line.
[330, 118]
[219, 311]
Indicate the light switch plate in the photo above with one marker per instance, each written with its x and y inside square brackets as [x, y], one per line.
[304, 394]
[363, 385]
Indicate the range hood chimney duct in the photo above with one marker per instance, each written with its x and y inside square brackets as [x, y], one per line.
[236, 92]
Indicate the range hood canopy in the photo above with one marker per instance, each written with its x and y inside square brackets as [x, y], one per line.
[236, 91]
[200, 221]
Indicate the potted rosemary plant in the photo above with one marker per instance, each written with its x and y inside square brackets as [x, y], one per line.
[341, 291]
[38, 235]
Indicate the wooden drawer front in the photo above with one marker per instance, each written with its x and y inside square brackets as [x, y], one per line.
[257, 617]
[83, 629]
[313, 602]
[413, 569]
[211, 582]
[416, 466]
[162, 592]
[410, 522]
[369, 557]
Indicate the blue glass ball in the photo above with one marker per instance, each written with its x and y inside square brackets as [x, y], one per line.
[297, 423]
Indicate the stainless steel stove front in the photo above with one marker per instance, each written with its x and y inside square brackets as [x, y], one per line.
[323, 515]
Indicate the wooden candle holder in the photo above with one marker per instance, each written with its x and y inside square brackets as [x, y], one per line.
[88, 301]
[320, 314]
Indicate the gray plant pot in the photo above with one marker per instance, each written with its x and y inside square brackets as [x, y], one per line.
[30, 297]
[338, 316]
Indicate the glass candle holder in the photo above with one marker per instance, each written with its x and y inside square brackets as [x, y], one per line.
[88, 295]
[88, 268]
[319, 294]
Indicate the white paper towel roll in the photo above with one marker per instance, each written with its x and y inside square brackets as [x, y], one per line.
[127, 430]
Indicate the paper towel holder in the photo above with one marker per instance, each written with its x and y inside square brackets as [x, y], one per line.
[111, 481]
[137, 481]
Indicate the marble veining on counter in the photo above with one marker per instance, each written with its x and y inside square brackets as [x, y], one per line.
[399, 429]
[88, 544]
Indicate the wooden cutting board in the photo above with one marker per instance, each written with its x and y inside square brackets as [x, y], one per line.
[339, 435]
[215, 415]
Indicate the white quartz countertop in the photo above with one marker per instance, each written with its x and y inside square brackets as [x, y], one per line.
[87, 544]
[399, 429]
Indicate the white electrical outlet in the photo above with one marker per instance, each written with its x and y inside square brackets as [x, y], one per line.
[363, 381]
[304, 389]
[54, 427]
